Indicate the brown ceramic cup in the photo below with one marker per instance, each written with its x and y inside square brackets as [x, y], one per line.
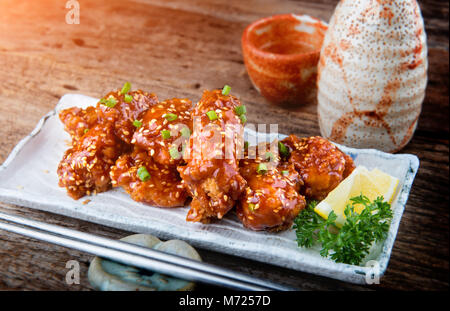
[281, 54]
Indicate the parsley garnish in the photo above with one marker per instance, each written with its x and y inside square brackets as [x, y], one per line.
[352, 242]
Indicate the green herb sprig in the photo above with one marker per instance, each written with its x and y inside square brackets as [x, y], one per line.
[351, 243]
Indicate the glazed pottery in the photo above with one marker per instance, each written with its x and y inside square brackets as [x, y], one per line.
[281, 55]
[107, 275]
[372, 74]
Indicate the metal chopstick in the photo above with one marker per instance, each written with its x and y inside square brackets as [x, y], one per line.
[131, 259]
[136, 255]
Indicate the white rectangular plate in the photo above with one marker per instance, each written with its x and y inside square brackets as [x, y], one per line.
[28, 178]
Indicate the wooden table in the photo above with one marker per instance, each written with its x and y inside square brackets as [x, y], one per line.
[178, 48]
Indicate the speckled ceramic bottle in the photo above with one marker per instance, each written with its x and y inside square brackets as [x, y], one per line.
[372, 74]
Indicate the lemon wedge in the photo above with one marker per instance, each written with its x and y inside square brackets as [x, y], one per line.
[372, 184]
[386, 183]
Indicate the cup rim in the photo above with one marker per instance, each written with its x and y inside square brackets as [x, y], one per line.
[246, 42]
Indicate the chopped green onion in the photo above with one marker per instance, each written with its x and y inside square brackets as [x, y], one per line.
[243, 118]
[284, 151]
[185, 132]
[240, 110]
[212, 115]
[174, 154]
[143, 174]
[165, 134]
[85, 131]
[137, 123]
[110, 102]
[226, 90]
[170, 116]
[285, 173]
[128, 98]
[269, 156]
[251, 206]
[262, 168]
[126, 88]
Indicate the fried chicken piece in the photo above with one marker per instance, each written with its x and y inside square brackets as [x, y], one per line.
[78, 121]
[147, 181]
[115, 109]
[321, 165]
[212, 170]
[271, 200]
[165, 128]
[99, 136]
[85, 167]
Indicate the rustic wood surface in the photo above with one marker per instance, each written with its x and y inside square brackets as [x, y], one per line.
[178, 48]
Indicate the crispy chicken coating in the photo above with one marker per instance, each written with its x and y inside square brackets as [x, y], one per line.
[77, 121]
[163, 152]
[99, 136]
[165, 128]
[85, 167]
[321, 165]
[162, 186]
[115, 109]
[271, 200]
[212, 170]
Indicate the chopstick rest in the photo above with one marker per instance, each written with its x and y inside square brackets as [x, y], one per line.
[108, 275]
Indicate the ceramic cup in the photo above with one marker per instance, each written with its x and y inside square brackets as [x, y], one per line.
[281, 54]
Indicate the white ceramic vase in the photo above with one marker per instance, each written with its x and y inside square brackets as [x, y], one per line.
[372, 74]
